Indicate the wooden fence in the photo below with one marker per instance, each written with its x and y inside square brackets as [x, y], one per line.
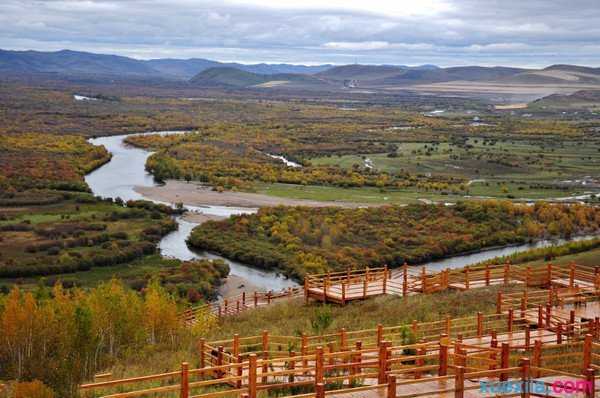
[342, 287]
[420, 369]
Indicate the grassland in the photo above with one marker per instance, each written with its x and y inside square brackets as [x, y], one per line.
[527, 169]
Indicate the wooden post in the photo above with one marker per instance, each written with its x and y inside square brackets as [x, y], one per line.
[244, 299]
[510, 319]
[548, 316]
[504, 360]
[537, 356]
[493, 356]
[527, 276]
[405, 280]
[202, 349]
[525, 368]
[467, 277]
[571, 275]
[458, 354]
[559, 333]
[424, 280]
[304, 350]
[479, 324]
[506, 273]
[443, 355]
[540, 322]
[571, 328]
[382, 362]
[343, 293]
[499, 303]
[236, 344]
[265, 355]
[319, 365]
[448, 325]
[549, 274]
[524, 304]
[240, 371]
[591, 383]
[487, 274]
[252, 375]
[385, 277]
[527, 337]
[358, 356]
[391, 388]
[237, 306]
[459, 382]
[365, 287]
[319, 390]
[185, 381]
[587, 351]
[256, 299]
[379, 334]
[306, 290]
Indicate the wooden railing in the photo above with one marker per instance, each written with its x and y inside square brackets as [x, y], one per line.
[238, 304]
[341, 287]
[400, 369]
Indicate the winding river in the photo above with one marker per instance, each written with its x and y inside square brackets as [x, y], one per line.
[126, 170]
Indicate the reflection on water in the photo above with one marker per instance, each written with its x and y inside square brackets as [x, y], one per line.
[126, 170]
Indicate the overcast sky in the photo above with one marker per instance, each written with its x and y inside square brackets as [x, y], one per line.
[443, 32]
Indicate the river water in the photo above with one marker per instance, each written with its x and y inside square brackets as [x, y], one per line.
[126, 170]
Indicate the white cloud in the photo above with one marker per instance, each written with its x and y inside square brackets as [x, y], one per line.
[445, 32]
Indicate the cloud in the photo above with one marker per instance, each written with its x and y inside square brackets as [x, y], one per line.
[445, 32]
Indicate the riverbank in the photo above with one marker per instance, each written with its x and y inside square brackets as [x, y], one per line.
[195, 194]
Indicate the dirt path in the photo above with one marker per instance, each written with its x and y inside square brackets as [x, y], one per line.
[197, 195]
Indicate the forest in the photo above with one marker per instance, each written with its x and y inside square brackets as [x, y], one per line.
[84, 331]
[302, 240]
[34, 160]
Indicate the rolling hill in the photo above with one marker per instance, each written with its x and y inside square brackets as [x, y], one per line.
[78, 63]
[229, 77]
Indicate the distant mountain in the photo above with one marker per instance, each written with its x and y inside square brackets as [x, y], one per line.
[181, 68]
[188, 68]
[229, 77]
[67, 62]
[378, 75]
[360, 72]
[371, 72]
[72, 62]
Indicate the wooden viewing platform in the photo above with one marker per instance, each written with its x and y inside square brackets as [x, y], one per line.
[342, 287]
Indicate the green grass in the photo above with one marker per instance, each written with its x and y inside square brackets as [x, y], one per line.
[532, 161]
[372, 195]
[359, 195]
[292, 318]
